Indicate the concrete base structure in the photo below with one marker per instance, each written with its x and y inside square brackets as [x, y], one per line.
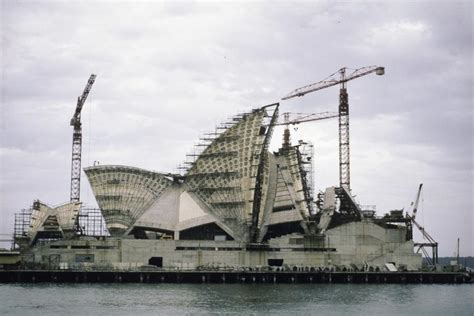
[356, 245]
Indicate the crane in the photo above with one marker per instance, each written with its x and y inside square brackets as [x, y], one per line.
[431, 242]
[344, 148]
[415, 206]
[411, 218]
[77, 142]
[297, 118]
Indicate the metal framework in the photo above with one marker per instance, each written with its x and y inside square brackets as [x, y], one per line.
[286, 133]
[344, 146]
[344, 141]
[305, 154]
[297, 118]
[413, 216]
[91, 223]
[22, 223]
[431, 259]
[430, 244]
[77, 142]
[348, 207]
[421, 246]
[225, 170]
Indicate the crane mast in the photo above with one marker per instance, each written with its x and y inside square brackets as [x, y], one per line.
[77, 142]
[344, 145]
[344, 140]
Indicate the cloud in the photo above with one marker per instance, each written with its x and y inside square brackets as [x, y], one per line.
[169, 71]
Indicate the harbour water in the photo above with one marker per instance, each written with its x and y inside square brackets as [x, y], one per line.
[238, 299]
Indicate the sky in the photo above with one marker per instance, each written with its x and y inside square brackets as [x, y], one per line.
[167, 72]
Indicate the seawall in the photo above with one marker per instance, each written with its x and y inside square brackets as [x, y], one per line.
[62, 276]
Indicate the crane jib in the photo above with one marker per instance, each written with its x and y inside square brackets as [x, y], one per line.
[81, 99]
[77, 142]
[329, 83]
[344, 142]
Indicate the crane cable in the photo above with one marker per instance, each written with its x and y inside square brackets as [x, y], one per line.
[422, 214]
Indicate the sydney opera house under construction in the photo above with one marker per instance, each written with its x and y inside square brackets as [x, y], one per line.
[236, 205]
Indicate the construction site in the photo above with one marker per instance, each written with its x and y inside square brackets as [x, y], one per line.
[236, 206]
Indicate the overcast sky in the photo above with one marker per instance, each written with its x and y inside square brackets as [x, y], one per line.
[169, 71]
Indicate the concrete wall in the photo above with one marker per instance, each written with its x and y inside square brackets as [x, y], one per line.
[365, 242]
[359, 243]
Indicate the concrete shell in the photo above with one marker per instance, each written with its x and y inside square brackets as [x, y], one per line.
[63, 218]
[224, 174]
[285, 201]
[124, 193]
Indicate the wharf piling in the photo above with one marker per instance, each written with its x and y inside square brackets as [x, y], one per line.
[67, 276]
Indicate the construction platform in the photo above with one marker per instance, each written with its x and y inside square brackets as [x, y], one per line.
[247, 277]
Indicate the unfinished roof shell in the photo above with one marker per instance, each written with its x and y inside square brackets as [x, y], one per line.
[53, 222]
[235, 188]
[124, 193]
[232, 170]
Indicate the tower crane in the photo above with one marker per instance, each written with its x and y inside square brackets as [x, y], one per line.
[77, 142]
[297, 118]
[344, 148]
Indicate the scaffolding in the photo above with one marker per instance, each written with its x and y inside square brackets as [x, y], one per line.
[22, 223]
[91, 223]
[227, 169]
[307, 163]
[21, 228]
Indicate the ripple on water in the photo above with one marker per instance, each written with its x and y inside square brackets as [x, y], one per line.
[279, 299]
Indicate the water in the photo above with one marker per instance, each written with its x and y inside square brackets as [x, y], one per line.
[237, 299]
